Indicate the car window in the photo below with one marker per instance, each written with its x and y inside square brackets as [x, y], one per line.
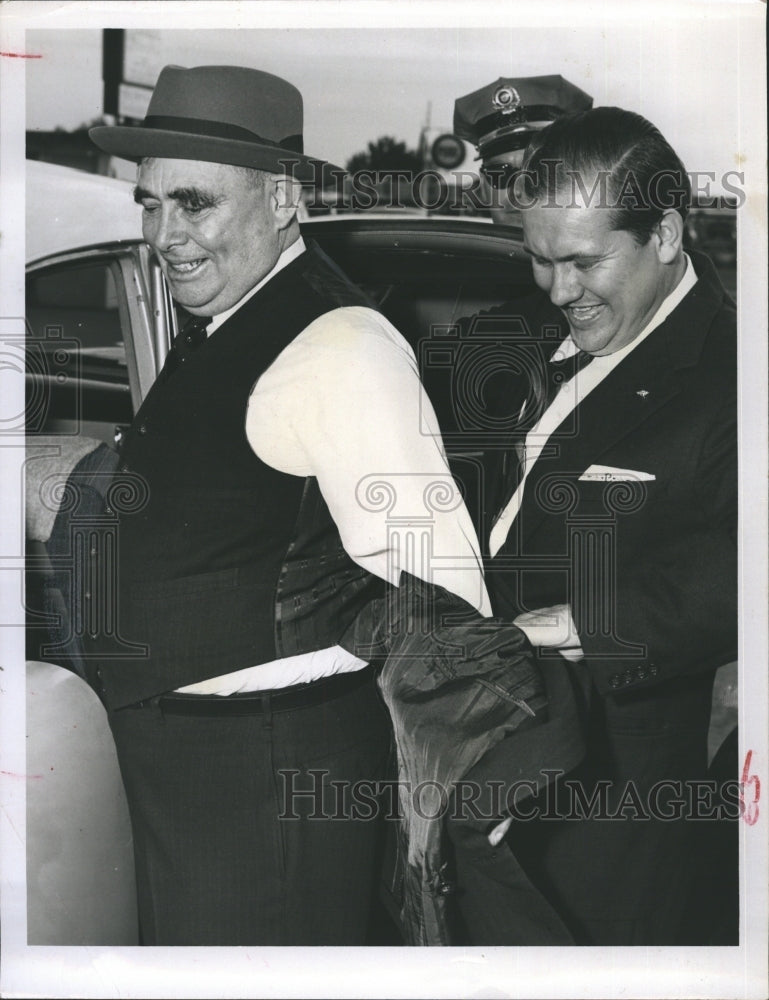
[76, 356]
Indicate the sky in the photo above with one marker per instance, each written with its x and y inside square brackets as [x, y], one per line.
[680, 69]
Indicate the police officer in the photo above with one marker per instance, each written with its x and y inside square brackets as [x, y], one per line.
[500, 119]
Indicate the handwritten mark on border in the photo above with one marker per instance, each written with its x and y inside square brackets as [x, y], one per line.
[749, 810]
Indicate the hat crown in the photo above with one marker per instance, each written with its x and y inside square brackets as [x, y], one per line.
[221, 114]
[250, 99]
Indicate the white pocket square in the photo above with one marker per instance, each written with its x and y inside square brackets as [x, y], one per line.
[610, 474]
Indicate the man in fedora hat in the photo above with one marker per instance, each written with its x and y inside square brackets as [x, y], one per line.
[285, 425]
[500, 119]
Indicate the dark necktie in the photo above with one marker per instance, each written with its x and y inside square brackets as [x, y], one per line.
[190, 337]
[560, 372]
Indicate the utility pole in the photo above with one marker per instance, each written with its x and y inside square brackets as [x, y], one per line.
[113, 48]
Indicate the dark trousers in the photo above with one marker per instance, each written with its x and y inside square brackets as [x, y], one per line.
[245, 828]
[621, 871]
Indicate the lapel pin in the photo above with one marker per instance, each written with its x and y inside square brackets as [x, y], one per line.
[643, 393]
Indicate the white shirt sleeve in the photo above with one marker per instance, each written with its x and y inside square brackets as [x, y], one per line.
[344, 403]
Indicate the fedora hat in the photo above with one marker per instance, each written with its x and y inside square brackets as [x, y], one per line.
[224, 114]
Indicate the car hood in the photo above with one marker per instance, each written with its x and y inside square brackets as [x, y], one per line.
[68, 208]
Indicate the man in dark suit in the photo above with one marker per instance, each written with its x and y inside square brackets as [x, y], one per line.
[286, 425]
[614, 541]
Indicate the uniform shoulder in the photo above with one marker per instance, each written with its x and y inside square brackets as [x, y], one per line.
[526, 316]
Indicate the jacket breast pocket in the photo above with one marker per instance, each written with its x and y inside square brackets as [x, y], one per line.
[568, 495]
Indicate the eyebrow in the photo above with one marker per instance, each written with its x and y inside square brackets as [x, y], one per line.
[566, 259]
[184, 195]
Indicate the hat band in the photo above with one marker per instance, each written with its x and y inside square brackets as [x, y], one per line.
[220, 130]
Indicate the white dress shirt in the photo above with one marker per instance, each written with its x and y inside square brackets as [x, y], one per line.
[343, 402]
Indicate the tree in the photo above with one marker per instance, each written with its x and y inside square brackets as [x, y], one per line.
[385, 154]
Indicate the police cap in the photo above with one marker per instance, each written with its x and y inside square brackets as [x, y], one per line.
[502, 116]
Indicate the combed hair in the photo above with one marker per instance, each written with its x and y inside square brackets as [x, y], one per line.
[641, 176]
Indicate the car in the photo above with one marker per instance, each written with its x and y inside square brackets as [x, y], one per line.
[100, 321]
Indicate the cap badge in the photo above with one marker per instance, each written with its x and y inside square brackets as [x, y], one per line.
[507, 100]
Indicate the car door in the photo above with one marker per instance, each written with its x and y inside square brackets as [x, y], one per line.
[97, 330]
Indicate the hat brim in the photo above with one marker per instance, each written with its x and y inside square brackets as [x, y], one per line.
[132, 142]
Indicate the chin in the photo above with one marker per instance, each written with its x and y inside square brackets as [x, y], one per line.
[591, 341]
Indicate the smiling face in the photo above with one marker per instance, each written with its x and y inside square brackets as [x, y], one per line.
[607, 285]
[216, 229]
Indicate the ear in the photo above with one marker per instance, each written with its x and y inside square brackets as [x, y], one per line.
[670, 236]
[286, 194]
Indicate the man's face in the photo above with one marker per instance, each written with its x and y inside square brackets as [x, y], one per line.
[607, 286]
[497, 196]
[214, 230]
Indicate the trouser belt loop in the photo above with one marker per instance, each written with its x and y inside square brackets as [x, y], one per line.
[154, 707]
[266, 701]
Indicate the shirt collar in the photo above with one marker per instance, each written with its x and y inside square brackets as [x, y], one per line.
[567, 347]
[290, 254]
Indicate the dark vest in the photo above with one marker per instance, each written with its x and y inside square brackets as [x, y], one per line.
[225, 562]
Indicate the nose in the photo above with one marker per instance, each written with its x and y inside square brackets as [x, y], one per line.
[164, 229]
[565, 287]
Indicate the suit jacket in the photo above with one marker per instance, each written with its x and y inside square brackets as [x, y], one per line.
[647, 565]
[649, 568]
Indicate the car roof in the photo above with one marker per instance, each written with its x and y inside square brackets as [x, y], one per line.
[67, 208]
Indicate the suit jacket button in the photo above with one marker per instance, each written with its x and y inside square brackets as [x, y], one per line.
[142, 428]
